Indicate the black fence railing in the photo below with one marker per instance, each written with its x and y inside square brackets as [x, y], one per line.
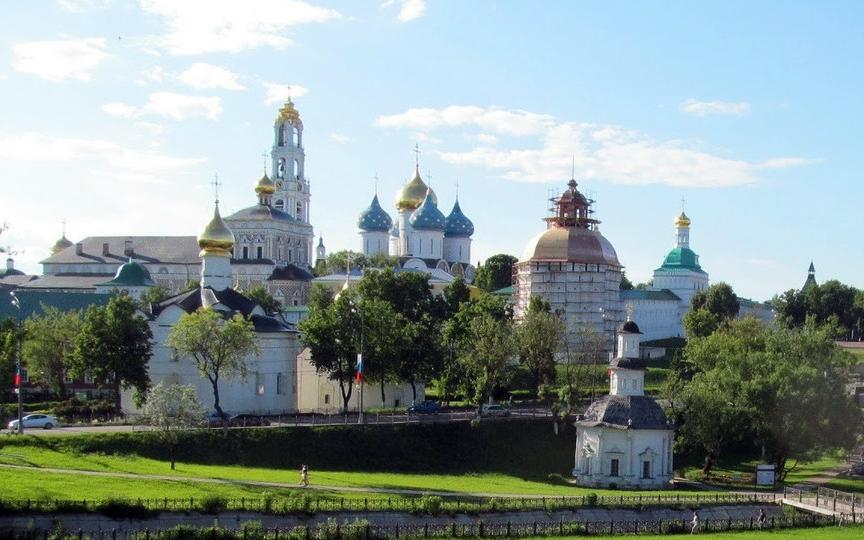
[308, 504]
[359, 529]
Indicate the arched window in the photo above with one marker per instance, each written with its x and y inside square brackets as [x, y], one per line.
[299, 214]
[280, 205]
[245, 252]
[280, 168]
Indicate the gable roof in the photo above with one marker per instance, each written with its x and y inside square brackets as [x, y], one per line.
[622, 412]
[194, 299]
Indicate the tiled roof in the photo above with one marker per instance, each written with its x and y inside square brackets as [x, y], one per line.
[635, 412]
[650, 294]
[147, 249]
[67, 281]
[190, 301]
[290, 272]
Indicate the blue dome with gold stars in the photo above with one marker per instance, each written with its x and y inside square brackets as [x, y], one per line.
[427, 216]
[457, 224]
[374, 218]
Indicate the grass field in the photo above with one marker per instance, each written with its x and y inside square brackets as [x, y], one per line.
[731, 467]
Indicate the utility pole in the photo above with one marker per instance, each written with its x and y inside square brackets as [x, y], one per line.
[19, 338]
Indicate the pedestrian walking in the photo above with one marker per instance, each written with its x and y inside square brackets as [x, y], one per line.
[304, 475]
[761, 519]
[694, 523]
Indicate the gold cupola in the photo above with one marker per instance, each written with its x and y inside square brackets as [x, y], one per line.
[411, 196]
[265, 186]
[288, 113]
[682, 220]
[216, 238]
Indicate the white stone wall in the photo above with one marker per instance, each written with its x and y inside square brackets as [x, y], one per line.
[427, 244]
[597, 446]
[375, 242]
[684, 283]
[457, 249]
[658, 319]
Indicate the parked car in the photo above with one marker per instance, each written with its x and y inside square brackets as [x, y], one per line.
[242, 420]
[494, 409]
[44, 421]
[424, 407]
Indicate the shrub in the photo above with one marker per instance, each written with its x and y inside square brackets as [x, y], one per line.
[213, 504]
[591, 499]
[333, 530]
[430, 504]
[119, 509]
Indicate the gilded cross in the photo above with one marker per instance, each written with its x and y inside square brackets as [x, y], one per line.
[216, 185]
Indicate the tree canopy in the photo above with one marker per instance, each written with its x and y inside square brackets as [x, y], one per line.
[263, 298]
[710, 309]
[539, 339]
[496, 272]
[49, 347]
[171, 408]
[832, 302]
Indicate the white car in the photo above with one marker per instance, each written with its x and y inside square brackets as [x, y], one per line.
[44, 421]
[494, 409]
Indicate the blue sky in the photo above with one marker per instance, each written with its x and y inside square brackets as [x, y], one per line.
[116, 115]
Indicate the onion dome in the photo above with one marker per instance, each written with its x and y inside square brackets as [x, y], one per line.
[682, 220]
[629, 327]
[412, 194]
[571, 244]
[131, 274]
[216, 238]
[265, 186]
[457, 224]
[288, 113]
[374, 218]
[60, 245]
[427, 217]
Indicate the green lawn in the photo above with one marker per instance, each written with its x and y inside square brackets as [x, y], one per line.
[732, 467]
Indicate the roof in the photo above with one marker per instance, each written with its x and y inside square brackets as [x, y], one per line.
[147, 249]
[289, 272]
[622, 412]
[457, 224]
[505, 291]
[682, 258]
[374, 218]
[67, 281]
[131, 274]
[261, 212]
[190, 301]
[628, 363]
[16, 280]
[34, 302]
[650, 294]
[629, 327]
[427, 216]
[571, 244]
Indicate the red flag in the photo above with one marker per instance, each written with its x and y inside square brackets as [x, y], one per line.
[18, 380]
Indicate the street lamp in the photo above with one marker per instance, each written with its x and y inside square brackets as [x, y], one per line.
[20, 327]
[360, 378]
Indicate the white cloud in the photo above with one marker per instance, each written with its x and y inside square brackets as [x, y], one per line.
[123, 110]
[77, 6]
[128, 164]
[711, 108]
[60, 59]
[340, 138]
[151, 127]
[169, 105]
[201, 75]
[603, 152]
[206, 26]
[503, 121]
[409, 10]
[278, 93]
[482, 138]
[155, 74]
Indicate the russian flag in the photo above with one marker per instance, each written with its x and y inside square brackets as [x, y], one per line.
[358, 376]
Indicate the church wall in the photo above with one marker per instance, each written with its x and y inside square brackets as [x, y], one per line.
[375, 242]
[318, 393]
[658, 319]
[597, 446]
[457, 249]
[427, 244]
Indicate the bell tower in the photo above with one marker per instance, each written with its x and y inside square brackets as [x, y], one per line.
[291, 193]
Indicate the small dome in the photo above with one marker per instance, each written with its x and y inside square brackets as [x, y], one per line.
[265, 186]
[629, 327]
[682, 220]
[571, 244]
[132, 274]
[374, 218]
[457, 224]
[427, 216]
[412, 194]
[60, 245]
[217, 238]
[681, 258]
[288, 113]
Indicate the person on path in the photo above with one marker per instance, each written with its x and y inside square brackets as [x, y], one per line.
[304, 475]
[694, 523]
[761, 519]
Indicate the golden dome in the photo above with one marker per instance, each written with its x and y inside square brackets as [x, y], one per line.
[682, 220]
[217, 238]
[265, 186]
[412, 194]
[288, 113]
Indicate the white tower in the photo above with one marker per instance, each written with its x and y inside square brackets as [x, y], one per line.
[627, 370]
[320, 251]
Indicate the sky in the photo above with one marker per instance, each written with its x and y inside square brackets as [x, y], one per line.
[116, 115]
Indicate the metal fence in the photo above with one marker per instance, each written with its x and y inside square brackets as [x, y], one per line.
[479, 529]
[302, 503]
[829, 499]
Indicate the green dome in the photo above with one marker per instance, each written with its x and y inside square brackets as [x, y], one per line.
[682, 258]
[131, 274]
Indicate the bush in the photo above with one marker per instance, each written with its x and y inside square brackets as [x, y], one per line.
[430, 504]
[591, 499]
[333, 530]
[213, 504]
[119, 509]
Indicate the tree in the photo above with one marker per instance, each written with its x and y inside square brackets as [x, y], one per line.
[217, 343]
[260, 296]
[155, 294]
[49, 347]
[710, 309]
[496, 273]
[114, 346]
[626, 284]
[783, 388]
[338, 262]
[8, 350]
[171, 408]
[539, 339]
[831, 301]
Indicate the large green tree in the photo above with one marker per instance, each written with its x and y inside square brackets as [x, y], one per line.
[710, 309]
[49, 347]
[831, 302]
[155, 294]
[8, 353]
[496, 272]
[539, 338]
[263, 298]
[114, 346]
[783, 388]
[218, 343]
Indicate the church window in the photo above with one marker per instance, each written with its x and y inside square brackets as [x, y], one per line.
[300, 211]
[646, 469]
[613, 467]
[279, 382]
[245, 252]
[280, 205]
[259, 252]
[326, 399]
[259, 384]
[295, 302]
[280, 168]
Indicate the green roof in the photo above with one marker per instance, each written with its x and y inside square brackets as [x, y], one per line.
[649, 294]
[131, 274]
[506, 291]
[682, 258]
[34, 302]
